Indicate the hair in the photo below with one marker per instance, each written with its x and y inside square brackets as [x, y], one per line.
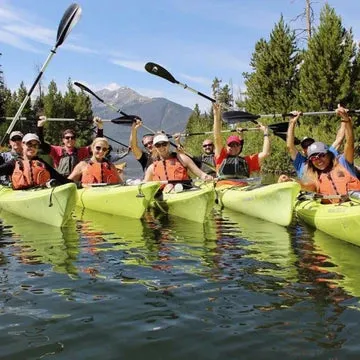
[68, 131]
[99, 139]
[312, 173]
[147, 136]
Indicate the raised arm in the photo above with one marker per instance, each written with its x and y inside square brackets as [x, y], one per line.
[133, 139]
[218, 143]
[290, 136]
[45, 147]
[339, 136]
[349, 147]
[266, 145]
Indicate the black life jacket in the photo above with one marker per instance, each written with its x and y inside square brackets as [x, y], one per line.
[67, 162]
[235, 167]
[208, 159]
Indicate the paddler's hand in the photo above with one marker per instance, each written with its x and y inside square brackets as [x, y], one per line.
[343, 113]
[98, 122]
[206, 177]
[294, 116]
[284, 178]
[137, 123]
[42, 121]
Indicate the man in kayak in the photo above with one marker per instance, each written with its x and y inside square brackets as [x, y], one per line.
[67, 156]
[143, 157]
[29, 170]
[228, 161]
[299, 160]
[15, 142]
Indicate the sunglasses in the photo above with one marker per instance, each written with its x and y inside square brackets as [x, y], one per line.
[148, 144]
[317, 156]
[233, 144]
[208, 145]
[69, 137]
[161, 144]
[16, 138]
[32, 145]
[99, 148]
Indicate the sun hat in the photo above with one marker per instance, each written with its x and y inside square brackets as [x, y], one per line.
[307, 140]
[28, 137]
[232, 139]
[160, 138]
[316, 148]
[16, 133]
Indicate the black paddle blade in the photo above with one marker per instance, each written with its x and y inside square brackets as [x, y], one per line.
[279, 127]
[158, 70]
[236, 116]
[282, 135]
[86, 89]
[125, 120]
[68, 21]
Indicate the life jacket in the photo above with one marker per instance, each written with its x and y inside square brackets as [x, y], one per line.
[208, 159]
[235, 167]
[338, 181]
[96, 173]
[67, 162]
[170, 169]
[29, 173]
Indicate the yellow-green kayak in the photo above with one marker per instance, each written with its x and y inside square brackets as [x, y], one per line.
[339, 220]
[51, 206]
[122, 200]
[274, 203]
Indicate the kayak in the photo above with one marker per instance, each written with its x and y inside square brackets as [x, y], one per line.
[122, 200]
[38, 243]
[192, 204]
[52, 206]
[274, 203]
[339, 220]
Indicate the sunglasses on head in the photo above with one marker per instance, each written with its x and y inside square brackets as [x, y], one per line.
[69, 137]
[16, 138]
[34, 145]
[207, 145]
[161, 144]
[317, 156]
[99, 148]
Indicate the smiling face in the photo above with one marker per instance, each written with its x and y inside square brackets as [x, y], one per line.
[321, 161]
[100, 148]
[234, 148]
[162, 148]
[69, 139]
[148, 142]
[30, 149]
[16, 144]
[208, 147]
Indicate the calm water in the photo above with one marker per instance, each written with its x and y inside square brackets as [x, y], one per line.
[235, 288]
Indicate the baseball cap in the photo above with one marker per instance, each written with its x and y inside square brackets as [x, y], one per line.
[160, 138]
[306, 141]
[28, 137]
[316, 148]
[16, 133]
[234, 138]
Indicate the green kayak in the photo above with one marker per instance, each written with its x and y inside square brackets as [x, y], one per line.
[122, 200]
[339, 220]
[52, 206]
[274, 203]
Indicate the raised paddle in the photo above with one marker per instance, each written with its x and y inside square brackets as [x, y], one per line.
[68, 21]
[119, 120]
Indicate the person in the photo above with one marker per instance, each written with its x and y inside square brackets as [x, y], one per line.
[143, 157]
[326, 173]
[96, 169]
[29, 170]
[171, 166]
[67, 156]
[206, 161]
[15, 143]
[299, 160]
[228, 161]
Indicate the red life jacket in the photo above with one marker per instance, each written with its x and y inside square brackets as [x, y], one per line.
[103, 172]
[338, 181]
[170, 169]
[29, 173]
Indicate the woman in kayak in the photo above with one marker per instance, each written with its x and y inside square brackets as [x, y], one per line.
[171, 166]
[29, 171]
[326, 173]
[96, 169]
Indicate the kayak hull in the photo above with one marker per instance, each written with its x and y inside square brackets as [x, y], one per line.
[339, 220]
[192, 204]
[53, 206]
[274, 203]
[122, 200]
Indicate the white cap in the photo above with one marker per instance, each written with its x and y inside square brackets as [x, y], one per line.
[160, 138]
[16, 133]
[316, 148]
[28, 137]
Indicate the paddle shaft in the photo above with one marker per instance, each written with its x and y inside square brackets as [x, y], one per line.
[52, 119]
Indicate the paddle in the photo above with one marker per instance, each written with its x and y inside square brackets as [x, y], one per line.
[119, 120]
[211, 132]
[68, 21]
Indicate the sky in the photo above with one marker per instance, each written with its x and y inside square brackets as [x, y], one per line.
[196, 40]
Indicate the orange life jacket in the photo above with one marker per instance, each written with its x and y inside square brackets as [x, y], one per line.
[102, 172]
[170, 169]
[338, 182]
[29, 173]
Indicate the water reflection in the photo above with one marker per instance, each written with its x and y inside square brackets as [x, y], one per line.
[38, 243]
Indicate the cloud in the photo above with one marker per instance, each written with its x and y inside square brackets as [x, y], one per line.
[16, 41]
[132, 65]
[35, 33]
[80, 49]
[197, 79]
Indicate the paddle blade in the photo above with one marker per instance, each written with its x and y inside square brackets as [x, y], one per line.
[125, 120]
[236, 116]
[158, 70]
[68, 21]
[282, 135]
[86, 89]
[279, 127]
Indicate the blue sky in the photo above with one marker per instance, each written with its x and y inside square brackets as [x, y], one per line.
[195, 40]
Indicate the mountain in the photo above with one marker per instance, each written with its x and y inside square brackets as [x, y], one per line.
[156, 113]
